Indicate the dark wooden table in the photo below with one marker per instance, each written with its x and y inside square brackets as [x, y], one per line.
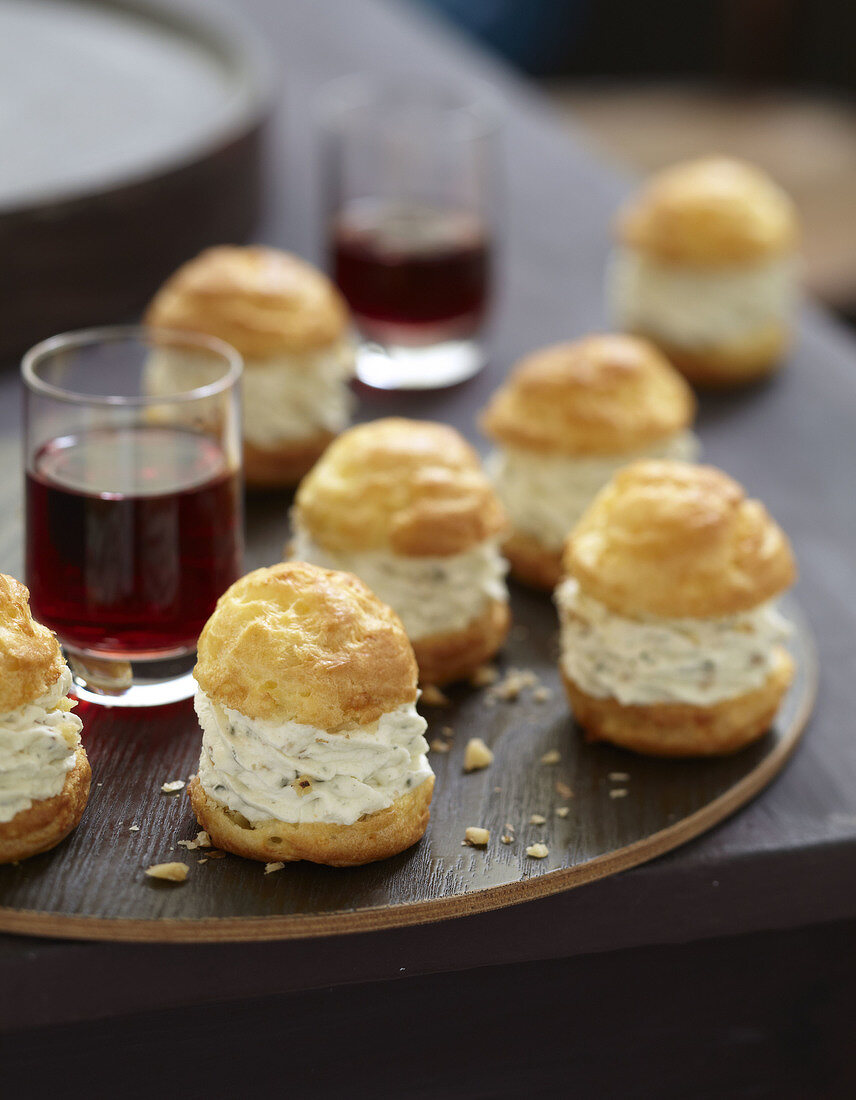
[722, 969]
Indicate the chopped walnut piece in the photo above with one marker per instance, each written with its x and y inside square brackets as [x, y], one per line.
[271, 867]
[563, 789]
[551, 757]
[507, 838]
[173, 786]
[618, 777]
[439, 746]
[302, 784]
[170, 872]
[433, 697]
[476, 837]
[484, 676]
[203, 840]
[537, 819]
[477, 755]
[133, 828]
[562, 811]
[541, 694]
[203, 860]
[618, 792]
[537, 851]
[515, 680]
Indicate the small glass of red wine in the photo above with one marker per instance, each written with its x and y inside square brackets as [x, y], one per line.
[409, 171]
[134, 522]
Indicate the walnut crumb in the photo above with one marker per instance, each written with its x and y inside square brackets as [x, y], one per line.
[203, 840]
[203, 860]
[562, 811]
[537, 851]
[618, 777]
[477, 755]
[476, 837]
[439, 746]
[271, 867]
[542, 694]
[484, 676]
[133, 828]
[618, 792]
[170, 872]
[173, 786]
[507, 838]
[303, 784]
[514, 682]
[447, 732]
[563, 789]
[433, 697]
[537, 819]
[551, 757]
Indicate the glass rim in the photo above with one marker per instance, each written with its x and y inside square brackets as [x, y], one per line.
[142, 334]
[478, 102]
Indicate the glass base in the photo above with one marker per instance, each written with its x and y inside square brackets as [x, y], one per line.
[112, 682]
[398, 367]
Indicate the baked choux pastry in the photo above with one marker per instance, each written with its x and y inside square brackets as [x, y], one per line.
[312, 747]
[406, 506]
[671, 641]
[289, 324]
[44, 772]
[706, 268]
[566, 419]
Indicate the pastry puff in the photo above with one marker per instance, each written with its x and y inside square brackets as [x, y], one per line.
[565, 419]
[678, 550]
[406, 505]
[713, 239]
[289, 323]
[294, 651]
[33, 676]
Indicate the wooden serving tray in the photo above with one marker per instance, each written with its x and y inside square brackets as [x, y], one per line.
[93, 886]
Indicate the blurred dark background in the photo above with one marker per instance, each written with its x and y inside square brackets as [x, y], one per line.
[650, 82]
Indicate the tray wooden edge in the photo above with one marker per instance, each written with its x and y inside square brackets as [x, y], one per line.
[257, 929]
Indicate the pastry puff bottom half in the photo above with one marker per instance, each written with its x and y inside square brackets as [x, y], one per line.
[48, 821]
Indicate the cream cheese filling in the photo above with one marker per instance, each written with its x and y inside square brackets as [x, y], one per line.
[287, 771]
[286, 397]
[430, 595]
[696, 307]
[650, 660]
[38, 744]
[545, 494]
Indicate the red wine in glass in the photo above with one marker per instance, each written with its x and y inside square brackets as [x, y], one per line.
[133, 534]
[412, 274]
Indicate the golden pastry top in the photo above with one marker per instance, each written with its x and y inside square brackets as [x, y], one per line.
[30, 658]
[711, 211]
[294, 642]
[596, 396]
[259, 300]
[677, 540]
[410, 486]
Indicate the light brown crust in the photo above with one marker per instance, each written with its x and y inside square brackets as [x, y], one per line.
[709, 212]
[410, 486]
[680, 729]
[533, 563]
[294, 642]
[30, 658]
[730, 364]
[260, 300]
[282, 466]
[676, 540]
[444, 658]
[605, 394]
[49, 820]
[373, 837]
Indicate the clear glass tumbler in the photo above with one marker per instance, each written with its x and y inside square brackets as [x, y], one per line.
[409, 172]
[134, 522]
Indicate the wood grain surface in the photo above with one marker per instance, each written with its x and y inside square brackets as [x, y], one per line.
[93, 885]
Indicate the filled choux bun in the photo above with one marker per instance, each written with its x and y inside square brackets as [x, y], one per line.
[671, 640]
[706, 268]
[312, 746]
[566, 419]
[405, 505]
[44, 772]
[289, 323]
